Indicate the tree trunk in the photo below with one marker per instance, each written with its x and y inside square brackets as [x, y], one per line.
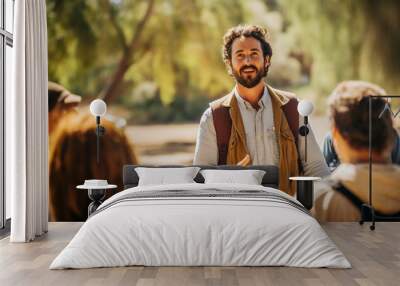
[110, 92]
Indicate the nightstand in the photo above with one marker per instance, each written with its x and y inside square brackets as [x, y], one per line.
[96, 194]
[305, 190]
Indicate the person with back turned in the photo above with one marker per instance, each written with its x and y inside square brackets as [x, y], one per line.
[340, 196]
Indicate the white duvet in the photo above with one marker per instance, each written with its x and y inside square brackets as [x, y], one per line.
[200, 231]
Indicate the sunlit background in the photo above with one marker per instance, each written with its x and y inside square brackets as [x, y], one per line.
[158, 64]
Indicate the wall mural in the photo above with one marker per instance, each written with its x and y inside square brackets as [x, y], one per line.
[158, 64]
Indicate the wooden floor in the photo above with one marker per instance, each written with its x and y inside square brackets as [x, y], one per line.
[375, 257]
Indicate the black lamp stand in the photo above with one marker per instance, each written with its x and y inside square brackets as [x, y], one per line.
[367, 210]
[305, 188]
[303, 131]
[100, 131]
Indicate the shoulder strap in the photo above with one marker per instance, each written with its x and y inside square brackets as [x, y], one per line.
[292, 117]
[357, 202]
[349, 195]
[223, 125]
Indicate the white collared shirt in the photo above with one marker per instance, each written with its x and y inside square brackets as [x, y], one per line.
[259, 127]
[261, 139]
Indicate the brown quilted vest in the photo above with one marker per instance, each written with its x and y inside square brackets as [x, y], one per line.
[232, 148]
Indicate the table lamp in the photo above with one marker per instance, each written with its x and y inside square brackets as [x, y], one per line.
[305, 108]
[305, 185]
[98, 108]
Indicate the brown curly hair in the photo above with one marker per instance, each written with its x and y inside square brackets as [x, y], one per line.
[257, 32]
[349, 110]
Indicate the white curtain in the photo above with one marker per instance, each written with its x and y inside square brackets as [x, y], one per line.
[26, 124]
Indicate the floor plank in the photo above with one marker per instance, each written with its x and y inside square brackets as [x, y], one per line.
[374, 255]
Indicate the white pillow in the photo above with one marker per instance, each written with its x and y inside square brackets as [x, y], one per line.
[248, 177]
[164, 176]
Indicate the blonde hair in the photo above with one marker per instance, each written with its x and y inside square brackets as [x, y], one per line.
[352, 91]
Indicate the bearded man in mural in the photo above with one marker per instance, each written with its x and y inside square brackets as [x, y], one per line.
[255, 124]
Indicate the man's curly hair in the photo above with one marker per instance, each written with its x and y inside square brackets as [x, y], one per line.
[254, 31]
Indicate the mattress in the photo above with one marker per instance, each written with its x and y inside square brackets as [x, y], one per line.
[201, 225]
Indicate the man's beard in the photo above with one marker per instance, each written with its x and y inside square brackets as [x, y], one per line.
[246, 80]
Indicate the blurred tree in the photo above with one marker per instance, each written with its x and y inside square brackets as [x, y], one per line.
[109, 48]
[71, 39]
[90, 48]
[347, 39]
[129, 47]
[104, 48]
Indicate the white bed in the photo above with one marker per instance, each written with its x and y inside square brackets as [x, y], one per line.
[250, 225]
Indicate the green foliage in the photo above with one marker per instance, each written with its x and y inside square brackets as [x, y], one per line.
[181, 37]
[348, 39]
[179, 50]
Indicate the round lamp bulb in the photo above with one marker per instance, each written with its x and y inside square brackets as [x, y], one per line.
[305, 107]
[98, 107]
